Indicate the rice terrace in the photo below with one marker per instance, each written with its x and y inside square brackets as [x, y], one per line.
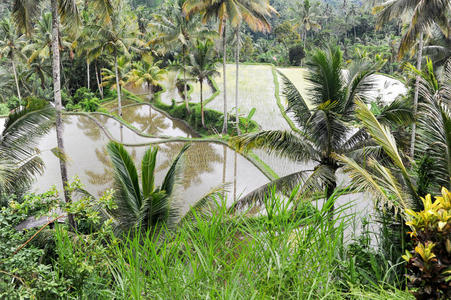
[225, 149]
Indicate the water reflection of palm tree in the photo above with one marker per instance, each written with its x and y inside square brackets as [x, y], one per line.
[104, 178]
[89, 128]
[141, 116]
[199, 159]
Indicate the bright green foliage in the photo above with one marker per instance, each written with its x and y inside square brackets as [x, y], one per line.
[146, 72]
[19, 159]
[22, 275]
[429, 264]
[142, 207]
[203, 66]
[84, 100]
[323, 128]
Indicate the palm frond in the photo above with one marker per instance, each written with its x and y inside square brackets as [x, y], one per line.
[296, 103]
[382, 135]
[398, 112]
[205, 203]
[126, 179]
[280, 143]
[283, 184]
[148, 171]
[170, 178]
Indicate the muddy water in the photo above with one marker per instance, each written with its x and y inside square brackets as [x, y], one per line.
[206, 165]
[151, 122]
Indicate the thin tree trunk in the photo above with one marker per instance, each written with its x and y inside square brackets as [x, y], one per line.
[185, 84]
[118, 87]
[58, 104]
[224, 169]
[237, 61]
[87, 68]
[224, 61]
[330, 189]
[202, 103]
[235, 172]
[16, 79]
[99, 85]
[415, 98]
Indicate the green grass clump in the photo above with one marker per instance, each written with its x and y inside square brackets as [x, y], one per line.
[280, 256]
[283, 253]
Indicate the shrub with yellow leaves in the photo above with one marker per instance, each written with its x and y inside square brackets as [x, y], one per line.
[429, 264]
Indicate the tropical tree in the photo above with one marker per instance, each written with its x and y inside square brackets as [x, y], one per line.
[439, 46]
[117, 76]
[390, 181]
[146, 72]
[19, 157]
[10, 46]
[422, 14]
[146, 206]
[175, 29]
[117, 37]
[24, 13]
[323, 125]
[253, 12]
[203, 65]
[306, 19]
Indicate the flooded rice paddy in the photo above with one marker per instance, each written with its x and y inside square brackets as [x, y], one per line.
[206, 164]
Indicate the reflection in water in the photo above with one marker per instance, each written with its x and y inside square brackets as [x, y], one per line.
[205, 164]
[120, 132]
[199, 160]
[152, 122]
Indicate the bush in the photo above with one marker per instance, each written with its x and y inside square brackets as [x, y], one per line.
[84, 100]
[296, 54]
[213, 119]
[14, 102]
[23, 275]
[429, 264]
[4, 109]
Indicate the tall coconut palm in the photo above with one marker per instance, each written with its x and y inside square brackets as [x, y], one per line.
[145, 206]
[306, 19]
[19, 159]
[253, 12]
[117, 76]
[146, 72]
[10, 46]
[323, 127]
[422, 15]
[175, 29]
[203, 65]
[117, 38]
[24, 13]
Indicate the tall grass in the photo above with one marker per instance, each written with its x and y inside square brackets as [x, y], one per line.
[276, 256]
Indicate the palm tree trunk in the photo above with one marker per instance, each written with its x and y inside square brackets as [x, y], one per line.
[16, 79]
[330, 189]
[235, 176]
[118, 87]
[224, 68]
[202, 103]
[87, 70]
[99, 84]
[224, 169]
[415, 98]
[237, 61]
[58, 104]
[185, 84]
